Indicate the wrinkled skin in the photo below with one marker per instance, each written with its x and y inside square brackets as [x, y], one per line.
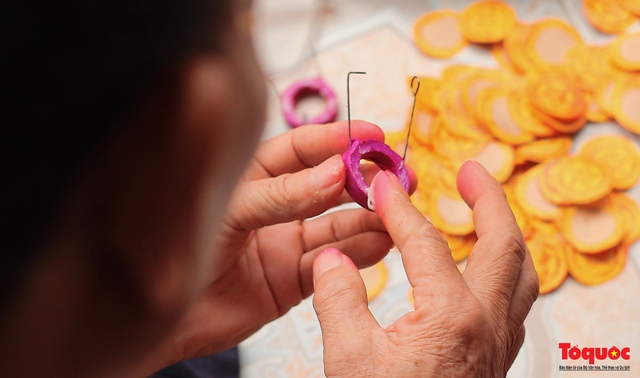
[464, 325]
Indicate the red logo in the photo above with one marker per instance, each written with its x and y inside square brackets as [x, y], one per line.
[592, 354]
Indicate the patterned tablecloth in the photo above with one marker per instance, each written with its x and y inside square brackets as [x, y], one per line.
[374, 36]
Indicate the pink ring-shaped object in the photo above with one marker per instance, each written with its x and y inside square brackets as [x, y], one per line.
[380, 154]
[308, 87]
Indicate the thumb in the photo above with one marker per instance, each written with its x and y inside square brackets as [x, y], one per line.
[287, 197]
[340, 301]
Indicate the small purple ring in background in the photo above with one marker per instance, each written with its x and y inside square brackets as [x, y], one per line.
[304, 88]
[380, 154]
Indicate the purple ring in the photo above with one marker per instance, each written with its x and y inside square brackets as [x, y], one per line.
[304, 88]
[380, 154]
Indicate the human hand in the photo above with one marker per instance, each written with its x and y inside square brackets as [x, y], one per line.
[464, 325]
[267, 245]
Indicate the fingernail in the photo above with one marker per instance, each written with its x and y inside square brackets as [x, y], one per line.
[326, 260]
[328, 173]
[382, 184]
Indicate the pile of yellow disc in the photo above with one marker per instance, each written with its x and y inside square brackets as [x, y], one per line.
[519, 121]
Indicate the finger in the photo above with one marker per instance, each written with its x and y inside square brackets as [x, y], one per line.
[425, 254]
[287, 197]
[496, 260]
[369, 171]
[515, 348]
[340, 301]
[339, 225]
[307, 146]
[364, 250]
[525, 293]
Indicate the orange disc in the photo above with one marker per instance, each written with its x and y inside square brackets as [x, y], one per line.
[594, 113]
[604, 95]
[632, 6]
[542, 150]
[477, 82]
[435, 171]
[561, 126]
[628, 209]
[597, 268]
[522, 219]
[588, 65]
[460, 245]
[530, 197]
[625, 100]
[396, 140]
[608, 15]
[437, 34]
[545, 227]
[495, 115]
[450, 214]
[375, 279]
[593, 229]
[549, 42]
[498, 159]
[425, 122]
[625, 52]
[513, 46]
[427, 97]
[618, 155]
[549, 258]
[571, 180]
[554, 94]
[487, 21]
[459, 149]
[524, 114]
[501, 56]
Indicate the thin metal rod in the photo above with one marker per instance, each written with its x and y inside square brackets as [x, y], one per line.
[349, 98]
[413, 109]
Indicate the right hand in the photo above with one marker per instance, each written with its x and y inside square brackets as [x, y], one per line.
[464, 325]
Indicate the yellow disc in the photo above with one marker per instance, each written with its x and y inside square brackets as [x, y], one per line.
[522, 218]
[549, 42]
[625, 52]
[487, 21]
[375, 279]
[524, 114]
[427, 97]
[498, 159]
[608, 15]
[574, 181]
[554, 94]
[450, 214]
[589, 65]
[425, 122]
[460, 245]
[437, 34]
[542, 150]
[628, 210]
[496, 116]
[549, 258]
[593, 229]
[618, 155]
[625, 100]
[530, 197]
[513, 46]
[632, 6]
[597, 268]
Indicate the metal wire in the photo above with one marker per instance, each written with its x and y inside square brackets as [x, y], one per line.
[349, 98]
[413, 109]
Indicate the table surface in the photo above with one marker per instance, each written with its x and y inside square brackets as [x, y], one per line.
[374, 36]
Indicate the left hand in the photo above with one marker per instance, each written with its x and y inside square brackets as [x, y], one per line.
[267, 245]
